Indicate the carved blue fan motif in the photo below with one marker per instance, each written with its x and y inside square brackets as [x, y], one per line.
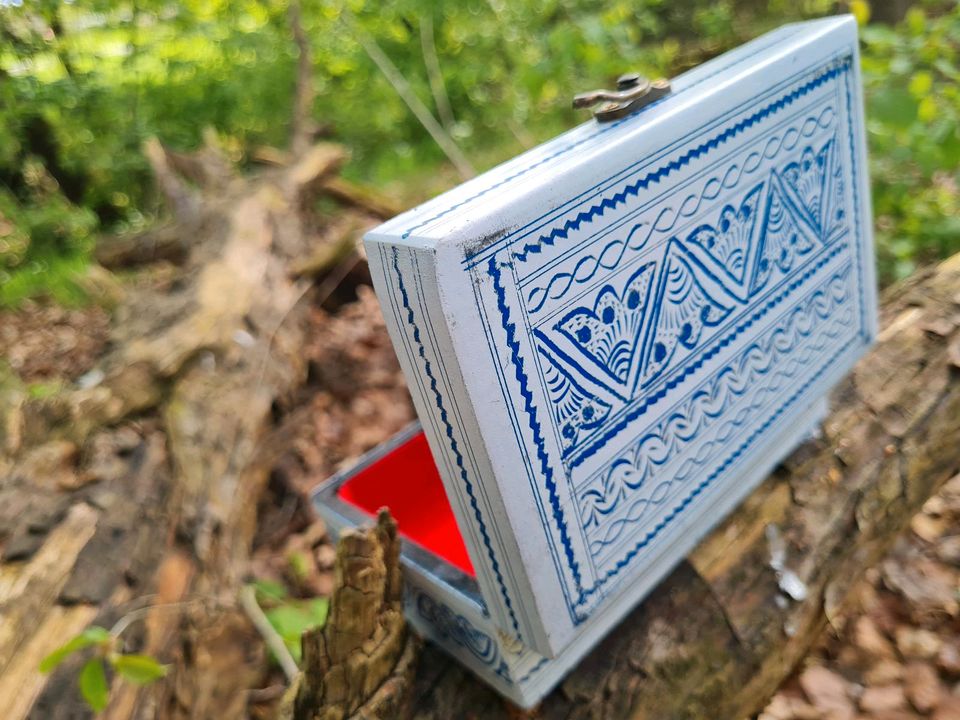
[833, 212]
[782, 238]
[608, 332]
[805, 180]
[575, 409]
[684, 309]
[622, 340]
[728, 241]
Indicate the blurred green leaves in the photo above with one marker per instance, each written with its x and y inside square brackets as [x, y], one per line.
[290, 617]
[913, 124]
[92, 678]
[82, 84]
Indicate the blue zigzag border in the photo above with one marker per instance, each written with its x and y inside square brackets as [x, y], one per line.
[610, 202]
[591, 448]
[573, 146]
[531, 411]
[448, 428]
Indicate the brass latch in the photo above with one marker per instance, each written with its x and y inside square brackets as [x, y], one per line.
[633, 93]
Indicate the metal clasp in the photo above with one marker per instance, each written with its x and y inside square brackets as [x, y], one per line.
[633, 93]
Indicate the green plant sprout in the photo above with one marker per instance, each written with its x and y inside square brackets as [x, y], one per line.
[290, 617]
[132, 667]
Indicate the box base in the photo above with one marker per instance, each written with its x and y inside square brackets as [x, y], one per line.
[441, 598]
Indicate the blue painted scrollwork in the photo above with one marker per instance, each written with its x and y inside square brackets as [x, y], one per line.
[625, 337]
[451, 626]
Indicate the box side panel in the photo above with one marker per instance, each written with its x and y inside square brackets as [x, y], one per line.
[641, 349]
[861, 199]
[505, 664]
[404, 278]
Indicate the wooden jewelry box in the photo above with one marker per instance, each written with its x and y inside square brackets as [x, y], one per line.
[610, 341]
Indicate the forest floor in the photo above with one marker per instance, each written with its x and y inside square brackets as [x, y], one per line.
[894, 653]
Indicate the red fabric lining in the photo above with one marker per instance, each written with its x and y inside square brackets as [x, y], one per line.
[407, 481]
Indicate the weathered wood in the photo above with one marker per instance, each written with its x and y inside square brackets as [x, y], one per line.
[716, 638]
[360, 665]
[137, 489]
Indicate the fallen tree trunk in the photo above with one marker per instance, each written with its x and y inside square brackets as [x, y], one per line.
[130, 499]
[718, 636]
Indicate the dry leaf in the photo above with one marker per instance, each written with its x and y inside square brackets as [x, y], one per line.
[948, 549]
[922, 686]
[929, 527]
[828, 692]
[948, 659]
[926, 584]
[949, 709]
[882, 699]
[917, 642]
[870, 640]
[883, 673]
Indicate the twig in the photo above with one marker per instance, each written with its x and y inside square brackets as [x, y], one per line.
[403, 89]
[434, 74]
[181, 199]
[336, 276]
[302, 127]
[248, 601]
[131, 617]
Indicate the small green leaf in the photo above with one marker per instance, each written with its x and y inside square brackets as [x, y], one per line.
[920, 84]
[292, 619]
[318, 608]
[269, 590]
[94, 635]
[139, 669]
[97, 634]
[299, 564]
[93, 684]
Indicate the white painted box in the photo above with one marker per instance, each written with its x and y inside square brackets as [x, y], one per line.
[611, 339]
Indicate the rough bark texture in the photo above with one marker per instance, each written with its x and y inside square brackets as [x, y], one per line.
[716, 638]
[136, 489]
[361, 664]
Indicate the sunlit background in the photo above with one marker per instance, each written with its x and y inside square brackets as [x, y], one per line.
[84, 83]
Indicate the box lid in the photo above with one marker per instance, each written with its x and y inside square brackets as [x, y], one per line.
[603, 333]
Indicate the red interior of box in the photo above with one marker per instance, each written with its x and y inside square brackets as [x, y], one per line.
[407, 481]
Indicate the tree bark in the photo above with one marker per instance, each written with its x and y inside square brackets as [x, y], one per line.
[361, 664]
[718, 636]
[134, 493]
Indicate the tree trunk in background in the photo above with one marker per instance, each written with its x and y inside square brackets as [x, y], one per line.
[718, 636]
[890, 11]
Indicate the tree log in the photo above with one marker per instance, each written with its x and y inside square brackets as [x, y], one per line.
[718, 636]
[133, 494]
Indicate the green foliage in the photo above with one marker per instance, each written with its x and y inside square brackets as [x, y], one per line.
[139, 669]
[93, 684]
[82, 84]
[92, 679]
[911, 78]
[290, 617]
[91, 636]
